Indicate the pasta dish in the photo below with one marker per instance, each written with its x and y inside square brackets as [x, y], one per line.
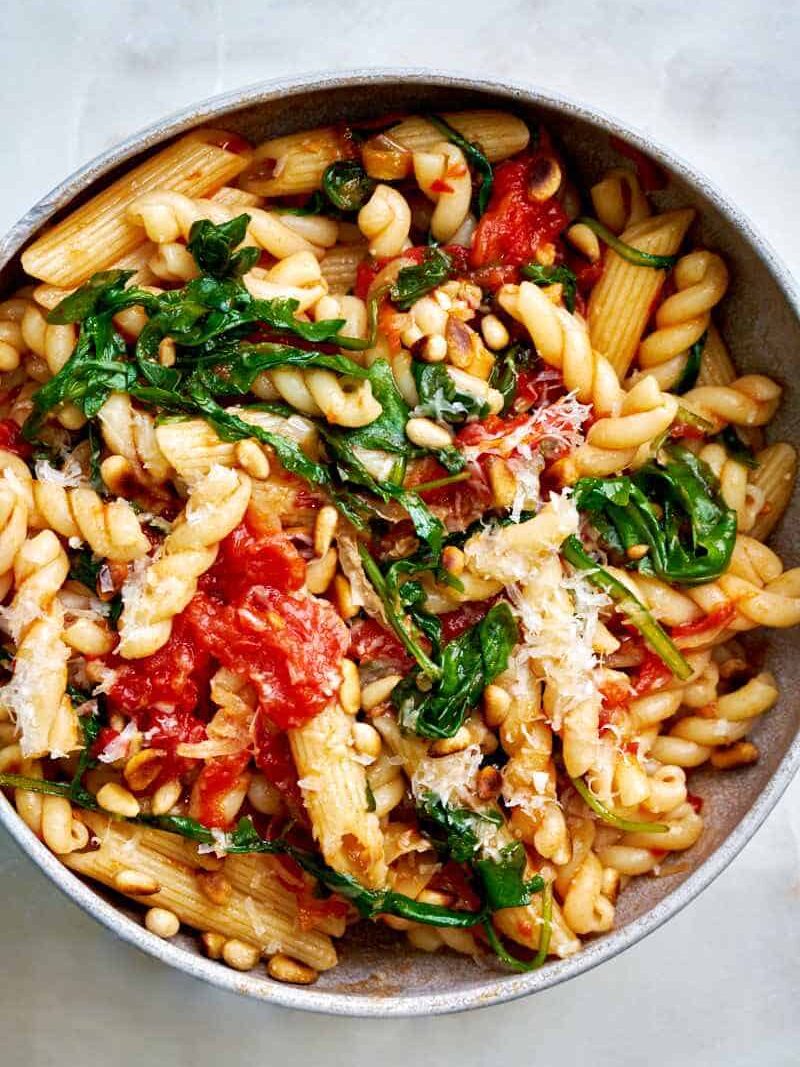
[382, 528]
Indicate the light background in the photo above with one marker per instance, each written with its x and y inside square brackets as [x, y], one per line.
[716, 81]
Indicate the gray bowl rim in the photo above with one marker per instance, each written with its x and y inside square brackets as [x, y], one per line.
[496, 988]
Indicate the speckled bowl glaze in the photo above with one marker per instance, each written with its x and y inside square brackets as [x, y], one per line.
[378, 975]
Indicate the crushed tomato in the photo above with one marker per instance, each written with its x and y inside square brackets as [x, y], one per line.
[11, 439]
[218, 777]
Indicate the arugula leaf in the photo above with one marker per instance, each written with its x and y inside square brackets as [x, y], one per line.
[454, 829]
[688, 379]
[104, 293]
[557, 273]
[626, 251]
[474, 155]
[95, 477]
[606, 815]
[736, 448]
[503, 879]
[213, 247]
[690, 539]
[469, 663]
[440, 398]
[235, 373]
[414, 282]
[85, 567]
[347, 185]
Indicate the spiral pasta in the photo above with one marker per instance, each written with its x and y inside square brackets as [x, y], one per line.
[152, 598]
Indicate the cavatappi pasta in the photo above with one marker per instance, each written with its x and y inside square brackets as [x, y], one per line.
[380, 537]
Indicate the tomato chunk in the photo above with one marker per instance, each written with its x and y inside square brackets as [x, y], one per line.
[11, 439]
[218, 777]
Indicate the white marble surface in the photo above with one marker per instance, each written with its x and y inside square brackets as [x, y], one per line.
[718, 81]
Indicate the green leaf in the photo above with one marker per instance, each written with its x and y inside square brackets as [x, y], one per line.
[414, 282]
[213, 247]
[347, 185]
[688, 379]
[638, 615]
[104, 292]
[736, 448]
[626, 251]
[606, 815]
[503, 879]
[85, 567]
[440, 398]
[474, 155]
[540, 275]
[469, 663]
[453, 830]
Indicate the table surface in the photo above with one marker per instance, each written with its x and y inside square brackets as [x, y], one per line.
[718, 82]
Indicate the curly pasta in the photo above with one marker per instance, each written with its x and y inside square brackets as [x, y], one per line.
[385, 220]
[216, 505]
[443, 176]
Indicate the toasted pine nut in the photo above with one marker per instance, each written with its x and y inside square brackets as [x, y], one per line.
[350, 689]
[433, 896]
[637, 551]
[343, 598]
[118, 800]
[263, 795]
[496, 705]
[213, 944]
[251, 458]
[324, 529]
[215, 886]
[286, 969]
[545, 180]
[166, 352]
[502, 482]
[137, 883]
[165, 797]
[378, 691]
[495, 335]
[433, 349]
[489, 783]
[585, 240]
[453, 560]
[428, 434]
[119, 475]
[446, 746]
[320, 572]
[161, 922]
[240, 955]
[366, 739]
[740, 754]
[143, 768]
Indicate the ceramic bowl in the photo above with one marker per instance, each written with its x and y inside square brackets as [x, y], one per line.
[379, 975]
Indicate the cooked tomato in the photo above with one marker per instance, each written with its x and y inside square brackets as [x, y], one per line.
[369, 641]
[311, 909]
[454, 623]
[289, 647]
[251, 556]
[715, 620]
[11, 439]
[273, 758]
[175, 678]
[653, 674]
[515, 226]
[695, 801]
[216, 780]
[680, 430]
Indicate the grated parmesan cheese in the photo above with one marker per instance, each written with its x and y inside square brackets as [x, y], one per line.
[119, 746]
[70, 476]
[452, 778]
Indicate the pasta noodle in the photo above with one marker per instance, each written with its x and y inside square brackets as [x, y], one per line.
[375, 543]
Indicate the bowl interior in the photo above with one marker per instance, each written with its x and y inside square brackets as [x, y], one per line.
[378, 974]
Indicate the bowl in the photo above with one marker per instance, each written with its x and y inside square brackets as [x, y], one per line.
[379, 976]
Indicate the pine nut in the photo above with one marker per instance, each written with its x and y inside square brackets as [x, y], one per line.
[585, 240]
[251, 458]
[428, 434]
[453, 560]
[447, 746]
[324, 529]
[215, 886]
[433, 896]
[165, 797]
[502, 482]
[366, 740]
[496, 705]
[263, 795]
[213, 944]
[637, 551]
[410, 335]
[433, 349]
[240, 955]
[343, 598]
[161, 922]
[320, 572]
[489, 783]
[740, 754]
[118, 800]
[286, 969]
[494, 332]
[379, 691]
[166, 352]
[143, 768]
[137, 883]
[350, 689]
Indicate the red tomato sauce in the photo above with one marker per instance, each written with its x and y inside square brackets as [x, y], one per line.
[715, 620]
[216, 780]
